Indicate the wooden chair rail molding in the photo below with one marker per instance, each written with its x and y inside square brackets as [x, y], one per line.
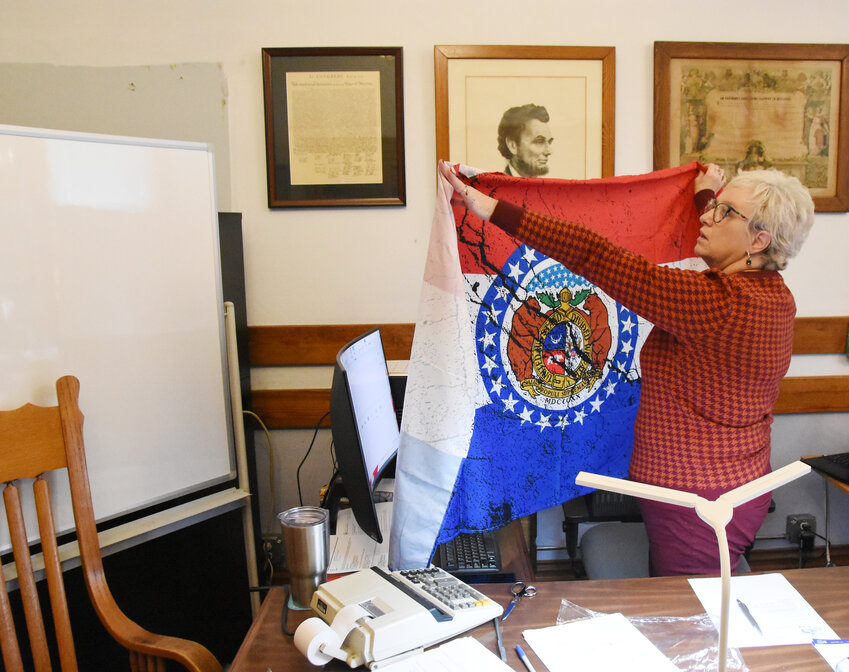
[317, 345]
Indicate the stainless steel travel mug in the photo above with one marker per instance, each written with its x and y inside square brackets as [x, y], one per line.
[306, 540]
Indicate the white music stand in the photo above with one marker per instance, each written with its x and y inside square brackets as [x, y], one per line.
[715, 513]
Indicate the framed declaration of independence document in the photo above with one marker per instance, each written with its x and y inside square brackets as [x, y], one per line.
[334, 126]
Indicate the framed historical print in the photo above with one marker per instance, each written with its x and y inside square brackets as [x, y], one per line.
[334, 126]
[746, 106]
[527, 110]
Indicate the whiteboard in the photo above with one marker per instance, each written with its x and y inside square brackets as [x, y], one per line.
[110, 271]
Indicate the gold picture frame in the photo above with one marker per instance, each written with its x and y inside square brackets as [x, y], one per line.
[744, 106]
[334, 126]
[475, 85]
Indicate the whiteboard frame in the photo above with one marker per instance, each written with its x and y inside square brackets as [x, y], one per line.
[224, 420]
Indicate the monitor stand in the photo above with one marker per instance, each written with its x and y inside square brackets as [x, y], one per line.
[335, 494]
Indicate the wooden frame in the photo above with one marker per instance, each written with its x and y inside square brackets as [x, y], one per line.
[481, 82]
[317, 345]
[334, 126]
[748, 105]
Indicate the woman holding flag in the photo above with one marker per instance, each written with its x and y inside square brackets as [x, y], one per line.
[720, 344]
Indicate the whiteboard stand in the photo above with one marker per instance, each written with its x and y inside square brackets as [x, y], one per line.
[241, 452]
[715, 513]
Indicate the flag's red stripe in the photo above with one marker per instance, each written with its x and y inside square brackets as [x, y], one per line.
[651, 214]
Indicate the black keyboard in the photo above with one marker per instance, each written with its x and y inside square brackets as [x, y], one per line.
[469, 553]
[840, 458]
[835, 465]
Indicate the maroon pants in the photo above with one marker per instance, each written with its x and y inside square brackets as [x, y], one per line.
[682, 543]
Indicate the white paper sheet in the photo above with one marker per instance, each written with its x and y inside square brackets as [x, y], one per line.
[835, 652]
[600, 644]
[346, 524]
[784, 616]
[465, 654]
[351, 549]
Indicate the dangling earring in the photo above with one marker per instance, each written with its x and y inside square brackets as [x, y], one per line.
[748, 258]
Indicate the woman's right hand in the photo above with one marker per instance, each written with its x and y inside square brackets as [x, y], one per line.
[478, 203]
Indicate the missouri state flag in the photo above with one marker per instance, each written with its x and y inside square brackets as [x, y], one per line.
[522, 373]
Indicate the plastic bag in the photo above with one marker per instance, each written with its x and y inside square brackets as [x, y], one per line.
[690, 642]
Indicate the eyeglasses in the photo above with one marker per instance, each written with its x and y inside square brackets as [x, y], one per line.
[722, 210]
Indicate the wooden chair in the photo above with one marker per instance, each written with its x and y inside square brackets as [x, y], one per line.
[33, 441]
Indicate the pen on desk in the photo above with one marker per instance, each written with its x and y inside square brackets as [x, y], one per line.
[748, 615]
[500, 640]
[524, 659]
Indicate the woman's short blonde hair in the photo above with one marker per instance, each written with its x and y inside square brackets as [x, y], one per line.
[783, 208]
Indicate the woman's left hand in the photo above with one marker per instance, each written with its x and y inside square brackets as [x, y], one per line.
[713, 178]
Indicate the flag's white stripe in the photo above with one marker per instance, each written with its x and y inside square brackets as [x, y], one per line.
[443, 366]
[442, 359]
[439, 407]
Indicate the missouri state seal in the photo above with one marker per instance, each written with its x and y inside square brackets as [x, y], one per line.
[552, 347]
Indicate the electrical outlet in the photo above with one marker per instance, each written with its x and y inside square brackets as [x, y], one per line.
[273, 547]
[793, 531]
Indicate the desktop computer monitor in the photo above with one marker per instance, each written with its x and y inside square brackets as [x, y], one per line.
[363, 423]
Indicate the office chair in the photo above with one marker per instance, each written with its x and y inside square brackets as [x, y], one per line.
[601, 506]
[621, 551]
[33, 441]
[616, 546]
[615, 551]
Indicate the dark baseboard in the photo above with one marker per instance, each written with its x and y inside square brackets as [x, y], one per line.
[772, 559]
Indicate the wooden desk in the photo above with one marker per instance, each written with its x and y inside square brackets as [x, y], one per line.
[840, 485]
[514, 552]
[826, 589]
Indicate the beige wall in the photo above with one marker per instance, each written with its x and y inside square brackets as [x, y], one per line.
[362, 265]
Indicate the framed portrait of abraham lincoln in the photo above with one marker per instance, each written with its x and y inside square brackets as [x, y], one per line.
[530, 111]
[746, 106]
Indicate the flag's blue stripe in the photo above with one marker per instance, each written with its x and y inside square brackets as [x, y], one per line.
[515, 470]
[424, 483]
[526, 450]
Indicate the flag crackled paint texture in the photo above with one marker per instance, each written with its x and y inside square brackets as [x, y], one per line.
[522, 373]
